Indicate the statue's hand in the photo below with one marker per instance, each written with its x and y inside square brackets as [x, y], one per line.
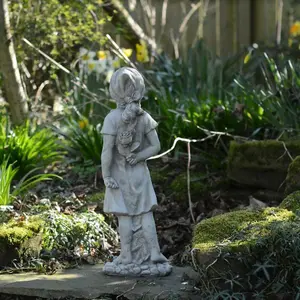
[132, 159]
[110, 183]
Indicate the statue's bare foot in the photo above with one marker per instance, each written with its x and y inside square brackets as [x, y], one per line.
[123, 259]
[157, 257]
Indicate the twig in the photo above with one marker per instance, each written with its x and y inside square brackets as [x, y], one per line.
[163, 292]
[127, 291]
[286, 152]
[189, 182]
[182, 140]
[209, 132]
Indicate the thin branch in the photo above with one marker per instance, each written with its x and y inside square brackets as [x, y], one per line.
[189, 182]
[127, 291]
[182, 140]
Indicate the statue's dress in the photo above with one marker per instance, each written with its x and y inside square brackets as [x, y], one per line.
[135, 195]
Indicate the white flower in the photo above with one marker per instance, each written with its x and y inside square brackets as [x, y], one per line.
[101, 66]
[109, 74]
[86, 55]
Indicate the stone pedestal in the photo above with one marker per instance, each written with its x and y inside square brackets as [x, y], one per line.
[146, 269]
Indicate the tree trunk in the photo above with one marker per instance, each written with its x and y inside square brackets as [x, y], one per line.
[13, 88]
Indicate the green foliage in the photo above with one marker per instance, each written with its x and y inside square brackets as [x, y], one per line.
[186, 94]
[28, 147]
[275, 94]
[82, 139]
[77, 233]
[7, 176]
[57, 25]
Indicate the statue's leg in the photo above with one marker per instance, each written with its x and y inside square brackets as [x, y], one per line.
[125, 231]
[149, 230]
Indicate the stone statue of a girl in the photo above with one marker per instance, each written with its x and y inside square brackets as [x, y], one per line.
[129, 138]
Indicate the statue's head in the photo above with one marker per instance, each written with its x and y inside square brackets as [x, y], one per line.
[127, 86]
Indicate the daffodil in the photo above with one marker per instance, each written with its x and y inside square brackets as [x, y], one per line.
[142, 52]
[295, 29]
[101, 55]
[86, 55]
[247, 57]
[116, 63]
[109, 75]
[91, 66]
[127, 52]
[101, 66]
[83, 123]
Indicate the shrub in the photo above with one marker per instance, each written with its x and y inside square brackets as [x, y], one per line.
[77, 233]
[7, 175]
[28, 148]
[82, 139]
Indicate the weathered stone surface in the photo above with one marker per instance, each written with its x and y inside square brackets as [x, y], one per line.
[262, 164]
[150, 269]
[89, 282]
[129, 139]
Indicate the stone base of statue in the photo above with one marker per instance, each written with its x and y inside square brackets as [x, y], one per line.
[146, 269]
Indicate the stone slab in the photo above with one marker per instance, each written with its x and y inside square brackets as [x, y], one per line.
[90, 282]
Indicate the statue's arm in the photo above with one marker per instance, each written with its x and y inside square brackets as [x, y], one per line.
[153, 149]
[106, 160]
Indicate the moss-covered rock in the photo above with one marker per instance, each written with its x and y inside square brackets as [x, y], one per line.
[179, 187]
[293, 176]
[20, 238]
[261, 163]
[291, 202]
[236, 229]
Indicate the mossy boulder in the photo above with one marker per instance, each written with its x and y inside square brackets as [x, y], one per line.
[293, 177]
[291, 202]
[262, 164]
[20, 238]
[236, 230]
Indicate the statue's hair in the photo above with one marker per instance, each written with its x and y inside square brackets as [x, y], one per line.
[126, 88]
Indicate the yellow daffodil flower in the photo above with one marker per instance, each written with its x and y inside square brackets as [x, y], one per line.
[101, 55]
[247, 57]
[83, 123]
[142, 52]
[116, 63]
[127, 52]
[295, 29]
[91, 66]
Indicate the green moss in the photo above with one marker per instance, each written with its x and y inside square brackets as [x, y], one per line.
[268, 155]
[236, 229]
[293, 176]
[96, 197]
[158, 177]
[179, 186]
[291, 202]
[14, 233]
